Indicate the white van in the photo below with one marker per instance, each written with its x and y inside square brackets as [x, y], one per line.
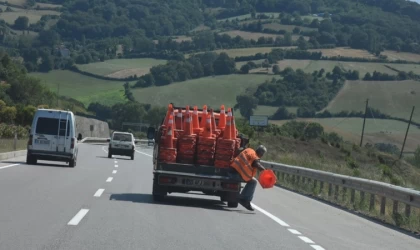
[52, 137]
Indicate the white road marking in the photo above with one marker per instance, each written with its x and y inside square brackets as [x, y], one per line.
[78, 217]
[306, 239]
[114, 171]
[9, 166]
[115, 162]
[143, 153]
[104, 149]
[316, 247]
[274, 218]
[109, 179]
[99, 192]
[294, 231]
[116, 166]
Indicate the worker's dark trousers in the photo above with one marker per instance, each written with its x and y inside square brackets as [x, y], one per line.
[247, 193]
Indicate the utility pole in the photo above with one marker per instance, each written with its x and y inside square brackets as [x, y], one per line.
[406, 133]
[364, 122]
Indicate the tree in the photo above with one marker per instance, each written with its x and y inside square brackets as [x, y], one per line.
[155, 115]
[128, 93]
[281, 114]
[224, 65]
[245, 68]
[276, 69]
[246, 105]
[8, 115]
[21, 23]
[313, 131]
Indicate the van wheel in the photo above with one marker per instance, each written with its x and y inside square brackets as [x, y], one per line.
[233, 204]
[72, 163]
[132, 156]
[109, 154]
[31, 160]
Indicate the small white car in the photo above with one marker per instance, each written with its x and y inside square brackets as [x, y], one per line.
[121, 143]
[52, 137]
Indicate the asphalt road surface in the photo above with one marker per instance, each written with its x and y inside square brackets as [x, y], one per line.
[107, 204]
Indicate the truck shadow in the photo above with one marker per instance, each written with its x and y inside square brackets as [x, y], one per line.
[177, 201]
[116, 158]
[39, 164]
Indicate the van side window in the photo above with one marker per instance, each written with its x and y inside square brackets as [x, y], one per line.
[49, 126]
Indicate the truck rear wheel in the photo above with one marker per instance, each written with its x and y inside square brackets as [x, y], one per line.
[233, 204]
[158, 192]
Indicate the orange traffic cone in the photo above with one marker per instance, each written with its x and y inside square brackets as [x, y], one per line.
[227, 132]
[233, 127]
[195, 122]
[168, 113]
[188, 125]
[169, 138]
[187, 111]
[222, 119]
[267, 178]
[178, 120]
[207, 129]
[213, 122]
[203, 117]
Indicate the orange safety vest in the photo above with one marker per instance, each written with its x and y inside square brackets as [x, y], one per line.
[243, 164]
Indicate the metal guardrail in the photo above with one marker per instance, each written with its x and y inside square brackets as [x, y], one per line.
[397, 194]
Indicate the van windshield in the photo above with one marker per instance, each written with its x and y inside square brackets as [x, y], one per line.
[49, 126]
[122, 137]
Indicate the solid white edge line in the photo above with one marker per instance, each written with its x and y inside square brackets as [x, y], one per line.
[293, 231]
[9, 166]
[109, 179]
[114, 171]
[316, 247]
[143, 153]
[306, 239]
[274, 218]
[78, 217]
[99, 192]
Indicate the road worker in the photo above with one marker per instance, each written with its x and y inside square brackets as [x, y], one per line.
[245, 165]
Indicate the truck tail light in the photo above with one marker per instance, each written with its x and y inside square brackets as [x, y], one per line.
[232, 186]
[72, 143]
[30, 140]
[167, 179]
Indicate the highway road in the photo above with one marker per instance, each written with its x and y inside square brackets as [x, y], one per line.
[107, 204]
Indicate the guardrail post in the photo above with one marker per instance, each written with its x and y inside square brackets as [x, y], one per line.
[329, 189]
[303, 180]
[407, 210]
[336, 192]
[298, 179]
[362, 196]
[321, 188]
[353, 194]
[344, 193]
[315, 183]
[383, 203]
[395, 208]
[282, 176]
[15, 142]
[372, 202]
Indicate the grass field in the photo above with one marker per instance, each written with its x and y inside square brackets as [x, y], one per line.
[394, 55]
[33, 15]
[346, 52]
[255, 35]
[289, 28]
[83, 88]
[212, 91]
[395, 98]
[362, 67]
[17, 2]
[121, 68]
[376, 131]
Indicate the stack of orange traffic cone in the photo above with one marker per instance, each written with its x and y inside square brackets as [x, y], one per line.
[187, 143]
[206, 144]
[216, 132]
[225, 148]
[222, 119]
[203, 117]
[167, 152]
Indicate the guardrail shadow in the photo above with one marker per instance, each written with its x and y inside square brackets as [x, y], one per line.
[359, 214]
[175, 201]
[13, 162]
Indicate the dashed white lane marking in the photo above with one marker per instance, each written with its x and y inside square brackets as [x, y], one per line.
[78, 217]
[143, 153]
[316, 247]
[116, 166]
[9, 166]
[104, 149]
[306, 239]
[274, 218]
[114, 171]
[109, 179]
[294, 231]
[115, 162]
[99, 192]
